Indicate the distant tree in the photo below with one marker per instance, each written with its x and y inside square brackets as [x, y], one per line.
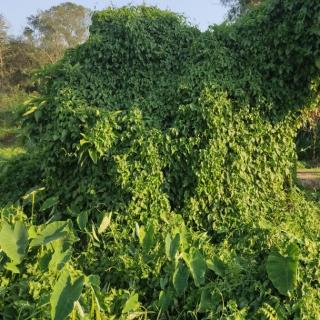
[57, 29]
[239, 7]
[21, 60]
[3, 44]
[17, 60]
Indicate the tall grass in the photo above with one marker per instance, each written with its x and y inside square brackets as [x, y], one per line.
[11, 143]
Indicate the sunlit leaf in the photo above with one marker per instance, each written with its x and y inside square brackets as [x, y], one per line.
[64, 295]
[51, 232]
[132, 304]
[60, 256]
[93, 155]
[14, 240]
[172, 246]
[146, 237]
[197, 265]
[105, 223]
[30, 110]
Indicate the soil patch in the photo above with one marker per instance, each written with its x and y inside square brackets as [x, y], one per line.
[309, 178]
[8, 139]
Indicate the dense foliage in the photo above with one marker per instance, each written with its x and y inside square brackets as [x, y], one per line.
[167, 156]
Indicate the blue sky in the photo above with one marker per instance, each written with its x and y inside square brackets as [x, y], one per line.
[198, 12]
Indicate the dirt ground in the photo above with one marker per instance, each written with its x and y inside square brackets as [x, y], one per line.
[309, 178]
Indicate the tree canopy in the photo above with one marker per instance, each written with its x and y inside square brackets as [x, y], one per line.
[47, 36]
[58, 28]
[239, 7]
[3, 44]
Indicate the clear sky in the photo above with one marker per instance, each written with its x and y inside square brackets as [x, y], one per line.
[198, 12]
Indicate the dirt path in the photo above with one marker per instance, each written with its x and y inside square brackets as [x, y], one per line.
[309, 178]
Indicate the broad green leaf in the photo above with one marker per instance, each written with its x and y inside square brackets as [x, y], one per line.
[104, 223]
[83, 141]
[137, 230]
[217, 266]
[49, 203]
[93, 155]
[59, 259]
[146, 237]
[51, 232]
[318, 63]
[93, 280]
[64, 295]
[168, 246]
[172, 246]
[132, 304]
[282, 270]
[13, 241]
[82, 220]
[32, 232]
[206, 301]
[293, 251]
[44, 260]
[11, 266]
[165, 298]
[180, 278]
[197, 266]
[163, 282]
[185, 238]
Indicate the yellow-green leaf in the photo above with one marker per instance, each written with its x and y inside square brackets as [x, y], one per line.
[64, 295]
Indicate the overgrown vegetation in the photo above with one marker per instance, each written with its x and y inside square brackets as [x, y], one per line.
[160, 183]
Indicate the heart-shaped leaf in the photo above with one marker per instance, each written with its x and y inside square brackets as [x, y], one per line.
[282, 270]
[197, 265]
[14, 240]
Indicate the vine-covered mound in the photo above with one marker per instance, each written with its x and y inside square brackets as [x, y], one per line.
[180, 145]
[151, 115]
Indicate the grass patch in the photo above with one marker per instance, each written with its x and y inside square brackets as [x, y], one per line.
[7, 153]
[11, 143]
[310, 170]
